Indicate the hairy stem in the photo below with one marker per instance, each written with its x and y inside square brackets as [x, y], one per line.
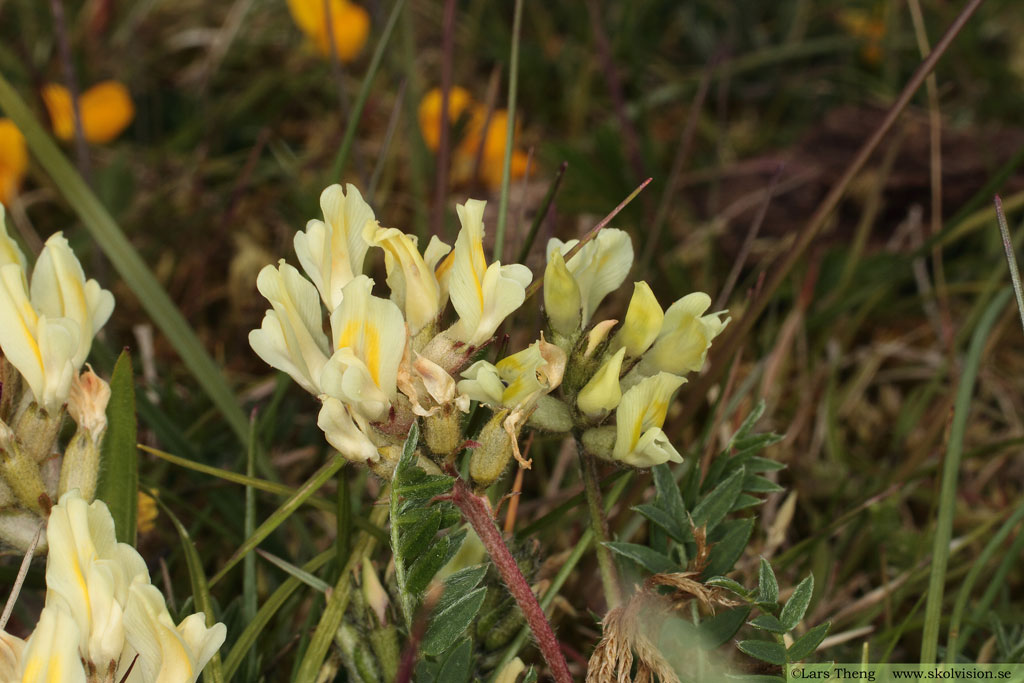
[599, 525]
[477, 513]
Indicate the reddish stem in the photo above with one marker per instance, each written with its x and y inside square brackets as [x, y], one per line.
[476, 512]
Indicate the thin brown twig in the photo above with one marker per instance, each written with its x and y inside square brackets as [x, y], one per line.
[735, 334]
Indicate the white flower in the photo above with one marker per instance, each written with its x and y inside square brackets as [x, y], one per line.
[291, 337]
[332, 251]
[483, 295]
[599, 267]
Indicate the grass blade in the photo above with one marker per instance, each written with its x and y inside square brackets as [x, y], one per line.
[118, 485]
[282, 513]
[213, 673]
[125, 259]
[950, 474]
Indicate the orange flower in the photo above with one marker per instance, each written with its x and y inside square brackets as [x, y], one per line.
[484, 138]
[13, 160]
[350, 25]
[870, 29]
[459, 100]
[106, 110]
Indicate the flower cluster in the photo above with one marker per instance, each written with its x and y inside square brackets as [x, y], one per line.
[389, 361]
[386, 361]
[103, 619]
[626, 372]
[47, 325]
[481, 147]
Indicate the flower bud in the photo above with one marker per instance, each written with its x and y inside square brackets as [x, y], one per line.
[600, 442]
[510, 672]
[18, 529]
[442, 432]
[643, 322]
[37, 430]
[87, 404]
[80, 468]
[490, 459]
[551, 415]
[562, 299]
[602, 393]
[373, 592]
[21, 473]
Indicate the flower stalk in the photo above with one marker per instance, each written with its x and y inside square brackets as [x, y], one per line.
[599, 525]
[478, 514]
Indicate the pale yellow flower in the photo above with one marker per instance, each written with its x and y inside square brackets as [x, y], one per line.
[411, 278]
[369, 339]
[42, 349]
[10, 252]
[332, 251]
[11, 648]
[106, 110]
[599, 267]
[602, 393]
[562, 299]
[291, 337]
[51, 653]
[483, 295]
[685, 337]
[350, 26]
[59, 289]
[510, 672]
[643, 323]
[13, 161]
[346, 430]
[639, 439]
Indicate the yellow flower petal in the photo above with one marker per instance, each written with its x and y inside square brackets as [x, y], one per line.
[332, 251]
[51, 652]
[340, 426]
[639, 440]
[685, 337]
[643, 322]
[599, 267]
[414, 286]
[291, 337]
[106, 110]
[429, 113]
[374, 332]
[602, 393]
[562, 298]
[350, 26]
[13, 164]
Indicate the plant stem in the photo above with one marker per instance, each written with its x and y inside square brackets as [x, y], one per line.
[599, 525]
[476, 512]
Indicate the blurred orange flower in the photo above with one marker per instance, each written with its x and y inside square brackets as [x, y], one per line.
[350, 25]
[483, 137]
[13, 160]
[146, 514]
[106, 109]
[869, 28]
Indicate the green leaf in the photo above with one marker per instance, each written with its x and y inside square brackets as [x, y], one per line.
[744, 501]
[457, 665]
[729, 585]
[118, 484]
[766, 651]
[758, 464]
[460, 583]
[651, 560]
[732, 540]
[755, 483]
[413, 541]
[717, 630]
[713, 508]
[768, 622]
[767, 584]
[673, 526]
[448, 624]
[668, 497]
[797, 604]
[749, 422]
[808, 643]
[425, 566]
